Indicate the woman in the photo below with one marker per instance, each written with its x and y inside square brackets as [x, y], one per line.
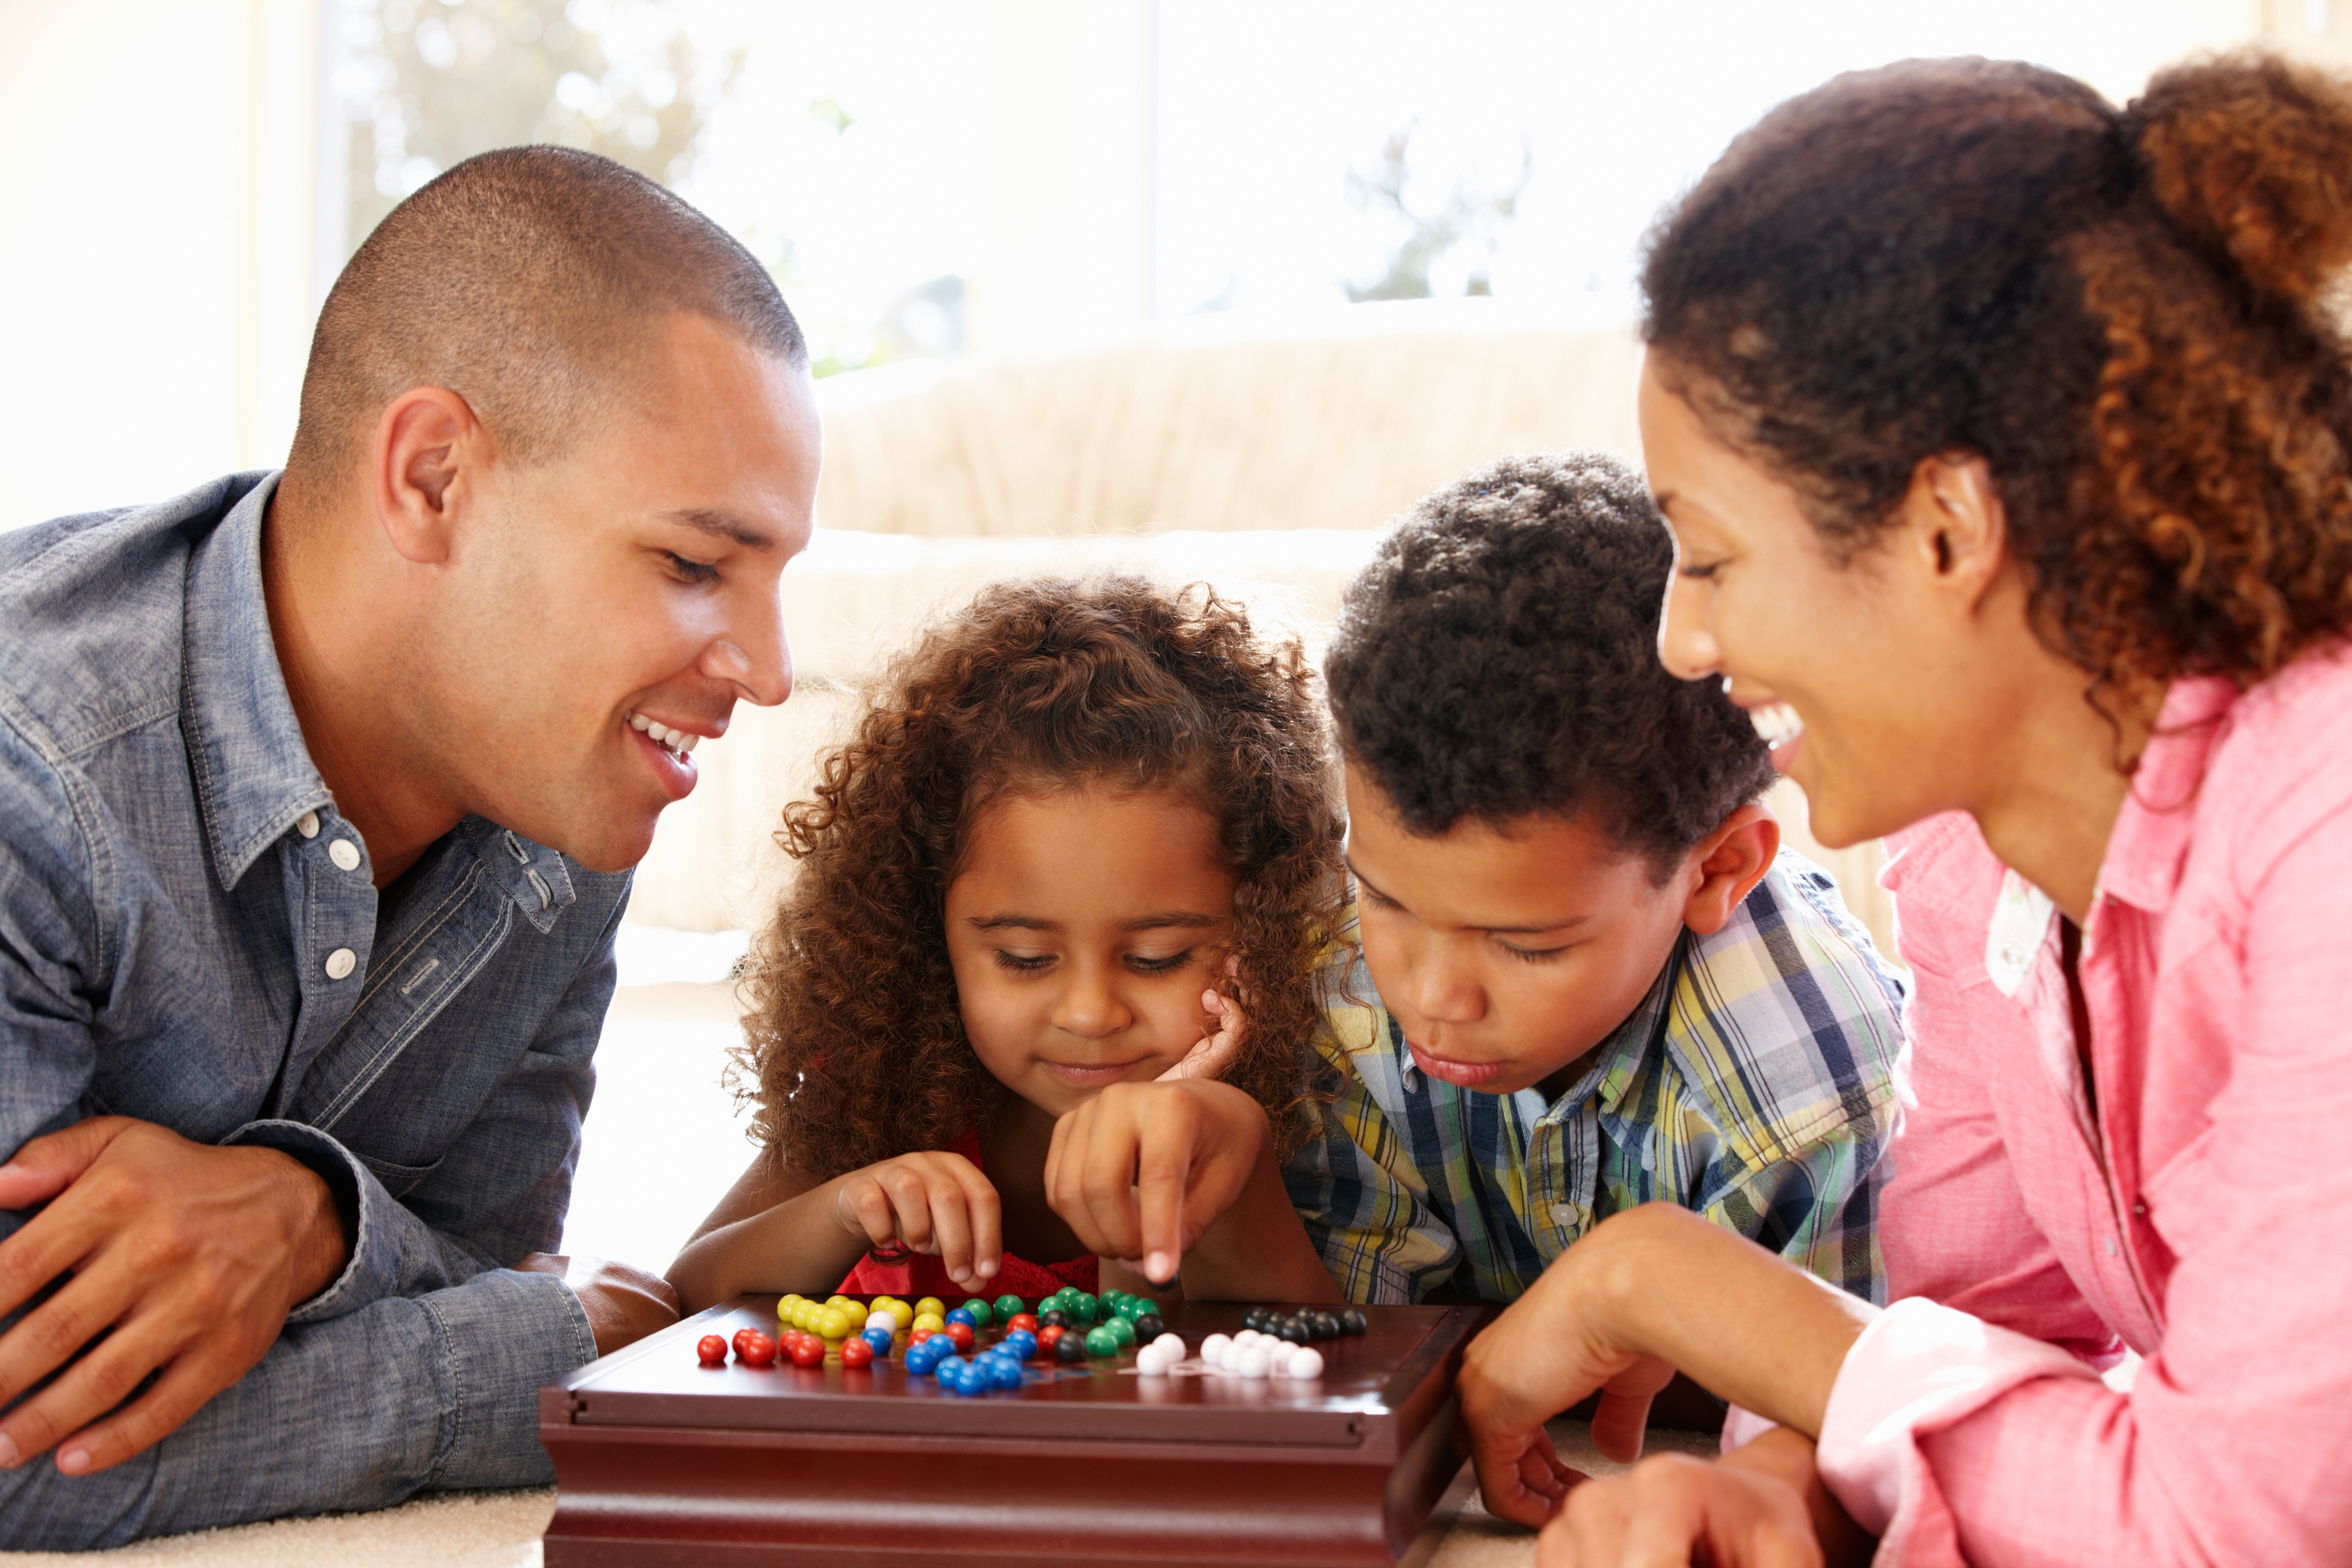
[2004, 439]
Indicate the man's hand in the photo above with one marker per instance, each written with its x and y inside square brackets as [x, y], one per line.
[624, 1304]
[1139, 1171]
[190, 1255]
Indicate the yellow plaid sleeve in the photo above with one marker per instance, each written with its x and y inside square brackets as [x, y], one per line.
[1356, 1189]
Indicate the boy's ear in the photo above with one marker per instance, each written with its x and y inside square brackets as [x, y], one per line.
[1729, 862]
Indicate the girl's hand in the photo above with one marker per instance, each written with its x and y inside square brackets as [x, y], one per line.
[929, 1201]
[1218, 1048]
[1139, 1171]
[1678, 1509]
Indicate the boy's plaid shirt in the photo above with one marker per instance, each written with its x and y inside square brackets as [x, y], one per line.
[1756, 1084]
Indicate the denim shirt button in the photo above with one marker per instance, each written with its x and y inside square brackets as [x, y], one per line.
[341, 963]
[345, 854]
[307, 825]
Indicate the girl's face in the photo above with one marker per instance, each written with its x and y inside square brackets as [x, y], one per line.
[1850, 669]
[1083, 925]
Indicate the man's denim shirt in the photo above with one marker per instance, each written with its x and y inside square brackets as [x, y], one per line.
[180, 942]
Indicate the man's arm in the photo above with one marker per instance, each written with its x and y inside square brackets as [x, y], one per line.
[192, 1256]
[438, 1391]
[201, 1251]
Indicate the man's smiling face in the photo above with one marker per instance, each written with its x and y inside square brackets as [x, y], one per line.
[624, 596]
[1505, 954]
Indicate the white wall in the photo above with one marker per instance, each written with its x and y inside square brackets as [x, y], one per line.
[1070, 154]
[157, 283]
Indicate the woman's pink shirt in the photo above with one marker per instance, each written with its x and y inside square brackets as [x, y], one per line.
[2202, 1216]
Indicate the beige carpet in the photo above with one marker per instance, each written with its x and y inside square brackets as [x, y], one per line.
[452, 1529]
[501, 1530]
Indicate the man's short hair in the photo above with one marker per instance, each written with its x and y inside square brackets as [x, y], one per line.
[530, 281]
[1499, 658]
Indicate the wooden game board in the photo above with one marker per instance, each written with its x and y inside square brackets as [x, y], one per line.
[660, 1461]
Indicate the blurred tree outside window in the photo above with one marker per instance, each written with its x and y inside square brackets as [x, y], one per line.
[427, 83]
[1469, 215]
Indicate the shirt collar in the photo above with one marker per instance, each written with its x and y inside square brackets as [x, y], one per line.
[1618, 1058]
[254, 775]
[2149, 843]
[529, 874]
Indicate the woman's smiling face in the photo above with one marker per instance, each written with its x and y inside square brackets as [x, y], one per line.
[1843, 663]
[1083, 926]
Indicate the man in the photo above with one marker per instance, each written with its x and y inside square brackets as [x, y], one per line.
[320, 793]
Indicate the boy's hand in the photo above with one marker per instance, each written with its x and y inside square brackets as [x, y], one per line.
[1217, 1048]
[1142, 1169]
[926, 1203]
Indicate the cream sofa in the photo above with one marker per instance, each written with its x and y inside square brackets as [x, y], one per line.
[1264, 466]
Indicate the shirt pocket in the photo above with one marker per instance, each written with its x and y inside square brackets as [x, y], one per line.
[398, 1180]
[2185, 1201]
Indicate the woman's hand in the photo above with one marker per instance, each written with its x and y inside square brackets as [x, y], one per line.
[1139, 1171]
[929, 1201]
[1646, 1291]
[1509, 1389]
[1551, 1349]
[1675, 1510]
[1220, 1045]
[1760, 1507]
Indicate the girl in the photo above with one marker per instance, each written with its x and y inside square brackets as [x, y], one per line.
[2007, 443]
[981, 1018]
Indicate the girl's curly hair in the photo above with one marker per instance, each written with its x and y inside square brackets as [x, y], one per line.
[2122, 311]
[853, 1039]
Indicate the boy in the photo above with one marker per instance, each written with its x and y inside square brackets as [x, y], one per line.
[1592, 980]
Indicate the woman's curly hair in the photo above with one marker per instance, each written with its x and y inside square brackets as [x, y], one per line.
[854, 1040]
[2124, 313]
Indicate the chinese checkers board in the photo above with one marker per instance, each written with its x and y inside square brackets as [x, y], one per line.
[662, 1460]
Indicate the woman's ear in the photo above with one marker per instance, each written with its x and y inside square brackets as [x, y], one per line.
[1958, 524]
[1727, 864]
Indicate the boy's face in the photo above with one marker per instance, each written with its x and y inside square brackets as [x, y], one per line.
[1506, 956]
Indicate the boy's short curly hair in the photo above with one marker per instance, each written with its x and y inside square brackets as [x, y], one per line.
[1499, 658]
[853, 1039]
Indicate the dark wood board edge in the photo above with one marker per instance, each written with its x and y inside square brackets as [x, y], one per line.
[648, 1499]
[978, 1420]
[1412, 1389]
[947, 1447]
[687, 1328]
[1451, 1500]
[1423, 1384]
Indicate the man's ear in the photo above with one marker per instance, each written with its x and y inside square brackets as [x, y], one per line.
[427, 443]
[1957, 525]
[1729, 862]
